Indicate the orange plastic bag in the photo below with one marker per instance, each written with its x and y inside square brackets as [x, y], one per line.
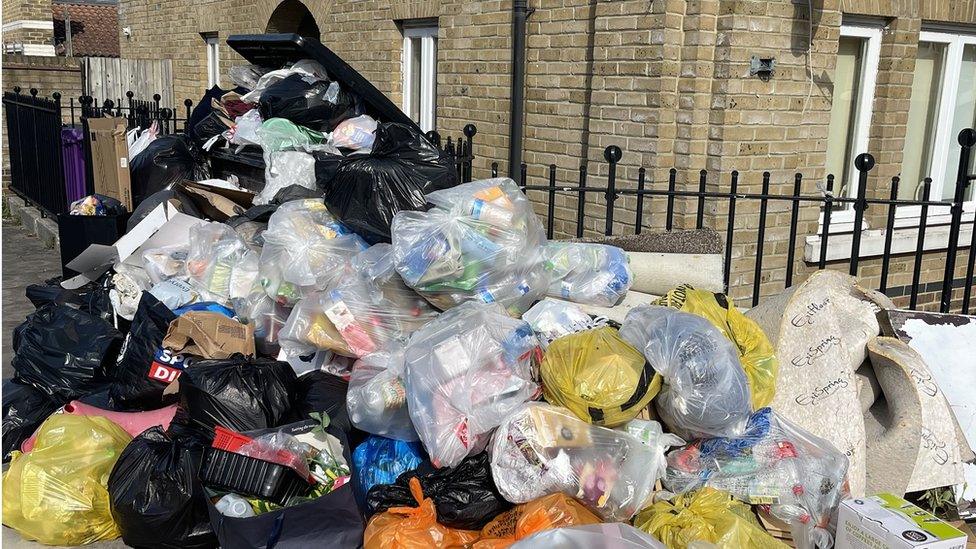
[552, 511]
[414, 527]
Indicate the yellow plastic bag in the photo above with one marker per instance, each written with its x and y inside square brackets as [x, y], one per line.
[707, 515]
[755, 352]
[414, 527]
[545, 513]
[597, 375]
[57, 494]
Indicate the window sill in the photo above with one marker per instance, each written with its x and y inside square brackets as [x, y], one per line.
[903, 241]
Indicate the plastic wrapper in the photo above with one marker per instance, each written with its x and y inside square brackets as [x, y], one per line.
[465, 495]
[238, 394]
[165, 263]
[705, 515]
[614, 535]
[145, 138]
[377, 398]
[543, 449]
[64, 352]
[128, 284]
[280, 448]
[218, 262]
[705, 391]
[380, 460]
[801, 477]
[167, 160]
[466, 371]
[317, 104]
[24, 409]
[598, 376]
[144, 369]
[308, 68]
[367, 191]
[175, 293]
[356, 134]
[279, 134]
[545, 513]
[156, 498]
[594, 274]
[413, 527]
[245, 130]
[755, 352]
[268, 318]
[286, 168]
[305, 249]
[56, 494]
[551, 319]
[481, 242]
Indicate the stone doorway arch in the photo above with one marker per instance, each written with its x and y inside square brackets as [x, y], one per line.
[292, 16]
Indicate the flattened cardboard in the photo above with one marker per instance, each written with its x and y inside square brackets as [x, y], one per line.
[218, 203]
[110, 159]
[885, 521]
[209, 335]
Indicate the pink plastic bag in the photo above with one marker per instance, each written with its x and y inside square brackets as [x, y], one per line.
[132, 422]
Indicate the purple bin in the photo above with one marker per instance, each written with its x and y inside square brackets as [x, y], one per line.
[73, 157]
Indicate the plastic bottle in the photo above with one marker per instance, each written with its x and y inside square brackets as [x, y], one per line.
[233, 505]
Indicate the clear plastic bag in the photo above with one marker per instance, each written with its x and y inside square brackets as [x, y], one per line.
[614, 535]
[355, 133]
[280, 448]
[705, 391]
[707, 515]
[165, 263]
[466, 371]
[594, 274]
[286, 168]
[245, 130]
[306, 67]
[800, 477]
[267, 316]
[481, 242]
[308, 330]
[246, 76]
[598, 376]
[542, 449]
[305, 249]
[219, 263]
[552, 318]
[377, 398]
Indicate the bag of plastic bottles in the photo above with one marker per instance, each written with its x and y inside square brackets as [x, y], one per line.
[355, 134]
[542, 449]
[755, 352]
[466, 371]
[705, 391]
[594, 274]
[614, 535]
[598, 376]
[481, 242]
[377, 397]
[551, 319]
[218, 262]
[56, 494]
[545, 513]
[706, 515]
[380, 460]
[305, 249]
[413, 527]
[801, 477]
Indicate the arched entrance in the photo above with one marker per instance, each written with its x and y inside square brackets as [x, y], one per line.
[293, 16]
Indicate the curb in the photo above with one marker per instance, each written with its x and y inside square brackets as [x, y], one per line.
[45, 228]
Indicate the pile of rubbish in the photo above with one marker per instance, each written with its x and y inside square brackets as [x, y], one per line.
[369, 352]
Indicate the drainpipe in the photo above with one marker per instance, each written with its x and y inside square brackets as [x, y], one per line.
[520, 12]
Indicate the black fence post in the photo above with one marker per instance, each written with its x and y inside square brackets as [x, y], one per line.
[612, 154]
[760, 240]
[889, 229]
[551, 214]
[730, 230]
[966, 139]
[523, 175]
[470, 130]
[700, 217]
[864, 162]
[494, 169]
[187, 103]
[581, 201]
[672, 178]
[794, 219]
[828, 207]
[639, 216]
[920, 245]
[434, 137]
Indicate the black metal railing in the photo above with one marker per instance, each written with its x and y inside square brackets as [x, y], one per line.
[34, 145]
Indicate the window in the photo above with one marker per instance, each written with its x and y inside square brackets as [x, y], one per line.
[420, 74]
[943, 103]
[850, 113]
[213, 60]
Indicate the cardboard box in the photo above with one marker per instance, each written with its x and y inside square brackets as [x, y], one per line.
[885, 521]
[110, 159]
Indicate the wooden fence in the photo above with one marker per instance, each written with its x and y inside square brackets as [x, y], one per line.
[111, 78]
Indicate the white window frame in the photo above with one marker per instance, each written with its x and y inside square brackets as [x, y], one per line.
[213, 60]
[843, 220]
[908, 216]
[428, 74]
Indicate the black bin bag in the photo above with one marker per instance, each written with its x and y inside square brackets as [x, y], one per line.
[330, 521]
[155, 496]
[323, 392]
[24, 409]
[168, 159]
[64, 352]
[92, 298]
[465, 496]
[239, 393]
[309, 104]
[138, 379]
[365, 192]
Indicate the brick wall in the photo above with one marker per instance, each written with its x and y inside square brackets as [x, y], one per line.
[32, 11]
[47, 75]
[666, 80]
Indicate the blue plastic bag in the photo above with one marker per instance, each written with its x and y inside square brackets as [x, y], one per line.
[211, 306]
[380, 460]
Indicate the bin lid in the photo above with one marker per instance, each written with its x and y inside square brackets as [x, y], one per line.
[276, 50]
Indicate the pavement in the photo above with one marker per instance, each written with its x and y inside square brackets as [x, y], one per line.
[26, 260]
